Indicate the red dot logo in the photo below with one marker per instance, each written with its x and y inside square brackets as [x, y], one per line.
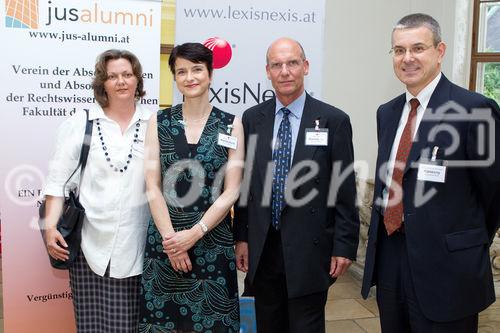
[221, 50]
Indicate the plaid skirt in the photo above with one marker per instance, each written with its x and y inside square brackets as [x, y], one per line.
[103, 304]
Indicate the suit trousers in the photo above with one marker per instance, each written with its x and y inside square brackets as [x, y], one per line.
[274, 311]
[399, 309]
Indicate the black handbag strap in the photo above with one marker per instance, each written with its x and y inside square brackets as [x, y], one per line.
[86, 142]
[84, 152]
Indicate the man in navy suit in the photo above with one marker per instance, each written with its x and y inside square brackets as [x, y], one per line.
[296, 224]
[436, 192]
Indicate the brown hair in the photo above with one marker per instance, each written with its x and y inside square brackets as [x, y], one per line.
[101, 74]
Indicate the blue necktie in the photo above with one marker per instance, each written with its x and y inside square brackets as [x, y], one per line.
[281, 157]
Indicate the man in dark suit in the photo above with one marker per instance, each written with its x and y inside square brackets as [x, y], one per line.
[296, 224]
[436, 191]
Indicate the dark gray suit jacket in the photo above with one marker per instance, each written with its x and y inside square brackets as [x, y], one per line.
[312, 232]
[448, 236]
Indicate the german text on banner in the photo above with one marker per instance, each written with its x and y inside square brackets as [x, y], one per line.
[49, 51]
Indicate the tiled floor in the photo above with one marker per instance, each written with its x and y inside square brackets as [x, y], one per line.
[347, 312]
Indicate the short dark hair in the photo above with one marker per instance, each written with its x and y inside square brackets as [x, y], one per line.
[420, 20]
[101, 74]
[194, 52]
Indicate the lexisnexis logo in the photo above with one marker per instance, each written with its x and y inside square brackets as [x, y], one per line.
[21, 14]
[24, 14]
[246, 93]
[221, 50]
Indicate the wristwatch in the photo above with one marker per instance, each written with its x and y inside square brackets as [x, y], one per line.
[203, 227]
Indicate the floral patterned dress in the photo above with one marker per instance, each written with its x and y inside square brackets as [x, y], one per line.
[206, 298]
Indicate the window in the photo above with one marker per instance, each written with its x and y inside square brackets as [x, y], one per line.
[485, 57]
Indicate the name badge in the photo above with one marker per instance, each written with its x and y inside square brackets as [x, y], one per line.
[317, 137]
[431, 172]
[227, 141]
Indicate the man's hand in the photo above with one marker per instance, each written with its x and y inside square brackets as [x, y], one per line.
[242, 256]
[338, 266]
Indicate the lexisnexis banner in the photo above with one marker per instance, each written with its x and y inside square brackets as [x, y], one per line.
[49, 51]
[239, 33]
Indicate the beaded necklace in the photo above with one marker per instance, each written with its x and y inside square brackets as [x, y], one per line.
[105, 149]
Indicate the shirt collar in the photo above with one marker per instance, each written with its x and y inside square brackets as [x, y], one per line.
[141, 112]
[425, 95]
[296, 107]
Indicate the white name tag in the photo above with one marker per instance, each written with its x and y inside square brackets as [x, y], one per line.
[227, 141]
[317, 137]
[431, 173]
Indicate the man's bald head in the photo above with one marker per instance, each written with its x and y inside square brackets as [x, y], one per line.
[285, 41]
[286, 67]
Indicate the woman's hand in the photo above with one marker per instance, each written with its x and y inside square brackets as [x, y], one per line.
[181, 241]
[56, 246]
[180, 262]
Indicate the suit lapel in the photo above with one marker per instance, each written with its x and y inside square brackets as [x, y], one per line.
[439, 97]
[390, 123]
[309, 115]
[264, 133]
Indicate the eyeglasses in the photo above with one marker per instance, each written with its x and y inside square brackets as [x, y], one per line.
[290, 65]
[398, 51]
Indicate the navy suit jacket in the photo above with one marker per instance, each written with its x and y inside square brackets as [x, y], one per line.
[311, 232]
[447, 235]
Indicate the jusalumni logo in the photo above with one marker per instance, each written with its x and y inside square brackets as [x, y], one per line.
[21, 14]
[25, 14]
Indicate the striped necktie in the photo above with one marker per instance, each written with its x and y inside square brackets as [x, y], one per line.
[393, 215]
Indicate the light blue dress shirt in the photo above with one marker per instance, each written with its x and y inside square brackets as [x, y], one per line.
[296, 109]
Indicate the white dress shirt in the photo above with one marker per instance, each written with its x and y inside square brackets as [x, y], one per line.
[423, 97]
[116, 207]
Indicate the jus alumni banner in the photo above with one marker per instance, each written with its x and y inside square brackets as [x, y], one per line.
[49, 52]
[239, 33]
